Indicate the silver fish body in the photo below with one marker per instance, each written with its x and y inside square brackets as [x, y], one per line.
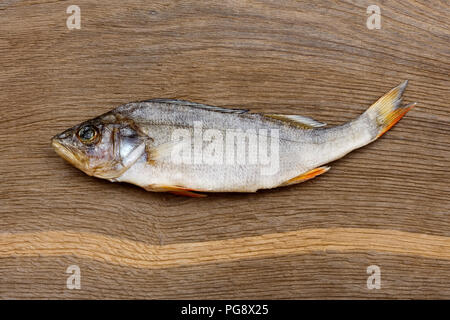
[179, 146]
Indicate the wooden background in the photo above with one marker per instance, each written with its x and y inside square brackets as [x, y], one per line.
[386, 204]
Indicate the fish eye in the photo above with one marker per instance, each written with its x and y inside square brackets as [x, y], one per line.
[87, 134]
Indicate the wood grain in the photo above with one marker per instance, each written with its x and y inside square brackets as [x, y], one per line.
[312, 58]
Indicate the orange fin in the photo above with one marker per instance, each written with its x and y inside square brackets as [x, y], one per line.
[187, 193]
[394, 117]
[306, 176]
[175, 190]
[388, 110]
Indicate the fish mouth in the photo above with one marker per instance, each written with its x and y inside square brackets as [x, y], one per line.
[71, 155]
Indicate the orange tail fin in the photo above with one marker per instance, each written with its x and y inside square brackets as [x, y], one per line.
[388, 110]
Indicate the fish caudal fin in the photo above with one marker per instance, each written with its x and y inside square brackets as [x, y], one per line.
[388, 110]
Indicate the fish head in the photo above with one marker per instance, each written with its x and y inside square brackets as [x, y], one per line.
[100, 147]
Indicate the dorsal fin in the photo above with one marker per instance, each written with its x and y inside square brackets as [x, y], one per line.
[300, 121]
[197, 105]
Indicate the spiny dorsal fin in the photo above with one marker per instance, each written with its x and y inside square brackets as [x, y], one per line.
[197, 105]
[301, 121]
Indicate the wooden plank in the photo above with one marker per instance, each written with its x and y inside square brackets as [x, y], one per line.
[316, 59]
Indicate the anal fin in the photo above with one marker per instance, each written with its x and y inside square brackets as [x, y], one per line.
[175, 190]
[306, 176]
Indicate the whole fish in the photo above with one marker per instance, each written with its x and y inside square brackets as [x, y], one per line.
[186, 148]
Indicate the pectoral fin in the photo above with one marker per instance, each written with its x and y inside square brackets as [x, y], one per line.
[175, 190]
[306, 176]
[163, 151]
